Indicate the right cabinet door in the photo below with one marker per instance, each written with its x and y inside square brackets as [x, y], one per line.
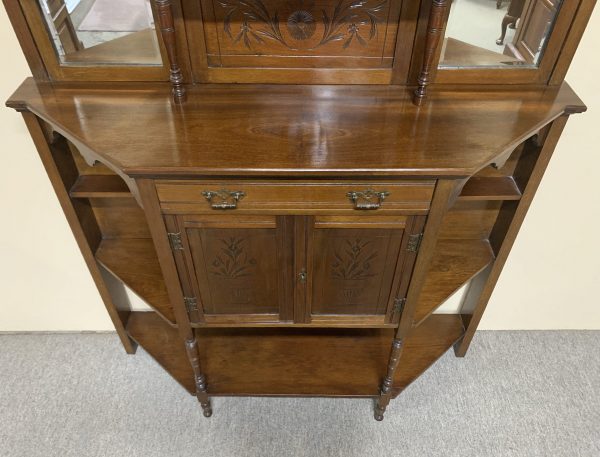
[358, 267]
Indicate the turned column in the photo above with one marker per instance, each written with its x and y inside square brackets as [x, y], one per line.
[385, 393]
[435, 27]
[191, 347]
[167, 29]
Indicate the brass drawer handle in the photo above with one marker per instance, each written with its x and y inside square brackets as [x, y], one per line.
[368, 199]
[225, 199]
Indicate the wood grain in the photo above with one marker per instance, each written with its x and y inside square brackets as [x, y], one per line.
[454, 263]
[292, 362]
[134, 262]
[336, 131]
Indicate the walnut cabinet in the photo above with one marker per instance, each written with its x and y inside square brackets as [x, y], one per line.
[295, 189]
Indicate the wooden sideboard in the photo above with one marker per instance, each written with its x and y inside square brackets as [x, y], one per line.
[294, 239]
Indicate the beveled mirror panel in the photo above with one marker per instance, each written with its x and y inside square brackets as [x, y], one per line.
[102, 32]
[498, 33]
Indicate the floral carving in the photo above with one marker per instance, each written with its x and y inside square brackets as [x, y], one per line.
[356, 17]
[232, 262]
[353, 260]
[350, 21]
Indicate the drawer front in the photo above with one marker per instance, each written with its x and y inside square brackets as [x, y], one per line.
[289, 197]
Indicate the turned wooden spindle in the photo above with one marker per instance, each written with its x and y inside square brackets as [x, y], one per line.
[191, 347]
[386, 386]
[435, 27]
[167, 29]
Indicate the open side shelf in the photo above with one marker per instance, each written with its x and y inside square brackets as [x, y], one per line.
[295, 362]
[133, 261]
[454, 263]
[490, 188]
[99, 186]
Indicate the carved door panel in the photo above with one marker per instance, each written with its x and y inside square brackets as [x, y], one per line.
[237, 268]
[358, 267]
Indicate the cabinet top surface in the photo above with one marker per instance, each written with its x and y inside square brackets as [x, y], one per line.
[293, 130]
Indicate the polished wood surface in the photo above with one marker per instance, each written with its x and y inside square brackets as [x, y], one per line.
[141, 48]
[289, 130]
[296, 196]
[99, 186]
[134, 262]
[292, 362]
[296, 239]
[458, 54]
[57, 159]
[454, 263]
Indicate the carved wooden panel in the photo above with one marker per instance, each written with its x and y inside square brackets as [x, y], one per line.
[353, 268]
[238, 264]
[301, 33]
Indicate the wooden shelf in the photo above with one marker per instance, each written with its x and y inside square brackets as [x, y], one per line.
[454, 263]
[458, 54]
[137, 48]
[133, 261]
[490, 188]
[298, 362]
[99, 186]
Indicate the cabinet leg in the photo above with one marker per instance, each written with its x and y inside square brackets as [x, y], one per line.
[386, 387]
[191, 347]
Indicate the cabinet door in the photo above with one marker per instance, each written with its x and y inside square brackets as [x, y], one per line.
[236, 267]
[358, 267]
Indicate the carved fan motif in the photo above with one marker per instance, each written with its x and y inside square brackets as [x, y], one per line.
[301, 25]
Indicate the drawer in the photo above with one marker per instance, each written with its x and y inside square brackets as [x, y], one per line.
[300, 197]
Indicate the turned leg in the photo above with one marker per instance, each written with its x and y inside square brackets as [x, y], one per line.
[191, 347]
[505, 22]
[386, 387]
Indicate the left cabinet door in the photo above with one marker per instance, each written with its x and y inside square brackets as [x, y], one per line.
[235, 268]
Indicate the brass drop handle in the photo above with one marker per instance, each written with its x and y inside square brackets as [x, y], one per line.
[368, 199]
[302, 276]
[223, 199]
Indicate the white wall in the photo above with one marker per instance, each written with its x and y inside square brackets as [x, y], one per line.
[552, 278]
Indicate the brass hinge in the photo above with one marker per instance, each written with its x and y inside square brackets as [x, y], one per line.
[175, 241]
[191, 304]
[414, 242]
[399, 305]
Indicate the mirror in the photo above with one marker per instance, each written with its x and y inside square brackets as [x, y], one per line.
[497, 33]
[92, 32]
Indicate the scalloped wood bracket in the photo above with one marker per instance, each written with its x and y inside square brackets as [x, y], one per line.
[167, 30]
[435, 28]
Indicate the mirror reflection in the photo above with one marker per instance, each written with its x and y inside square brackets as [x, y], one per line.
[118, 32]
[497, 33]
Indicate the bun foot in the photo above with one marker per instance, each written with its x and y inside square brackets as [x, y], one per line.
[207, 411]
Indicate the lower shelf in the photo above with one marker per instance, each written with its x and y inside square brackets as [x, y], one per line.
[295, 362]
